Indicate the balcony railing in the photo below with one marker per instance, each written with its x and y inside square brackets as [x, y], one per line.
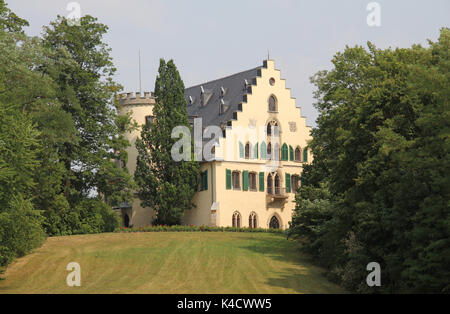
[276, 192]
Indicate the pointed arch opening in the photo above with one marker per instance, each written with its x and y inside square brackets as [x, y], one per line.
[236, 220]
[252, 220]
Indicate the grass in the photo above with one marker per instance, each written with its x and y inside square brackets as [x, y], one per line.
[168, 262]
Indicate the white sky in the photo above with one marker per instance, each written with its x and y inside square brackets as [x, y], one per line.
[211, 39]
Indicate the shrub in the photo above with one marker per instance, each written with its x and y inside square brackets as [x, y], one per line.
[192, 228]
[20, 230]
[94, 216]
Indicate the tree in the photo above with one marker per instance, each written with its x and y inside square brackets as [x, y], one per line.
[166, 185]
[9, 21]
[20, 223]
[83, 70]
[381, 148]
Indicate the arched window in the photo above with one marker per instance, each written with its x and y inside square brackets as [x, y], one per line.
[272, 103]
[247, 151]
[236, 220]
[269, 184]
[252, 222]
[273, 126]
[277, 185]
[274, 223]
[298, 154]
[269, 151]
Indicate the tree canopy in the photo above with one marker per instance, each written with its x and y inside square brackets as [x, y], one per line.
[378, 188]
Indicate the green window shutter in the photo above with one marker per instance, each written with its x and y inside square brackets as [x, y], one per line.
[228, 172]
[261, 181]
[284, 152]
[241, 150]
[288, 183]
[263, 150]
[205, 182]
[291, 153]
[245, 180]
[255, 155]
[305, 155]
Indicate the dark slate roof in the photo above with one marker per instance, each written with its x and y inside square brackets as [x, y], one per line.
[235, 94]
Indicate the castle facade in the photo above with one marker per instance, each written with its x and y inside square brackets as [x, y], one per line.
[255, 170]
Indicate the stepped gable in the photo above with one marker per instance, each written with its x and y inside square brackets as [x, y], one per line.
[217, 100]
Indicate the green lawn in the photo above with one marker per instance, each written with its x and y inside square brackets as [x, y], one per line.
[168, 262]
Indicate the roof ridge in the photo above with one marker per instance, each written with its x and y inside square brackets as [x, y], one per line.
[204, 83]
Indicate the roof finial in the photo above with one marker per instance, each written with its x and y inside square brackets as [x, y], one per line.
[268, 55]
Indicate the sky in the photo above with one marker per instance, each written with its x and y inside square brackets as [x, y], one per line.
[212, 39]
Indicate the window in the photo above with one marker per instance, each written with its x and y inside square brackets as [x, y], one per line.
[272, 103]
[236, 181]
[273, 126]
[252, 222]
[277, 185]
[247, 151]
[298, 154]
[272, 81]
[252, 181]
[269, 184]
[274, 223]
[236, 220]
[295, 183]
[269, 151]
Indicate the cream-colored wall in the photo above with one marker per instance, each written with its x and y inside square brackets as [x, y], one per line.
[138, 114]
[201, 214]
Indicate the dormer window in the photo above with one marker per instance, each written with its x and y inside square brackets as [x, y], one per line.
[223, 106]
[205, 96]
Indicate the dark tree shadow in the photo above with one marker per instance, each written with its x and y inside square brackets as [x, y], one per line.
[306, 277]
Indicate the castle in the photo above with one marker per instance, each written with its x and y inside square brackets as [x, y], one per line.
[252, 179]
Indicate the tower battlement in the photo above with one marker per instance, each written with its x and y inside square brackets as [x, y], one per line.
[136, 98]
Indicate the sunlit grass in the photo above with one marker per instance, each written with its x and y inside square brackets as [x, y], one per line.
[168, 262]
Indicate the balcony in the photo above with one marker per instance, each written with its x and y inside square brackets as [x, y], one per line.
[276, 194]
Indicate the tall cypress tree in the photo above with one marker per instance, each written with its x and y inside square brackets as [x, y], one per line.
[165, 185]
